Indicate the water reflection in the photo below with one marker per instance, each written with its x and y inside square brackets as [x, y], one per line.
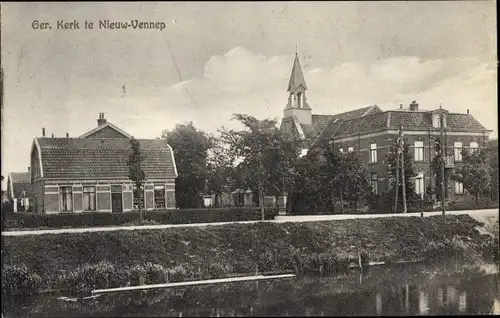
[408, 290]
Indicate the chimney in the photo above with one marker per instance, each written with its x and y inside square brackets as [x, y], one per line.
[43, 132]
[467, 111]
[67, 135]
[101, 121]
[400, 106]
[29, 170]
[52, 135]
[413, 106]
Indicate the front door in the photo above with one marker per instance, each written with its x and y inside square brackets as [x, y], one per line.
[116, 202]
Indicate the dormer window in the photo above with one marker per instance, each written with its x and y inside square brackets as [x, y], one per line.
[436, 120]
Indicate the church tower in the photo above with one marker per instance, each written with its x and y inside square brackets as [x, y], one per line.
[297, 102]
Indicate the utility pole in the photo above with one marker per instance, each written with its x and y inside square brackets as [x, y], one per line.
[443, 193]
[403, 170]
[397, 173]
[260, 176]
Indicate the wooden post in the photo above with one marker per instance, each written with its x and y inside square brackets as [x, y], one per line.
[403, 170]
[443, 193]
[397, 181]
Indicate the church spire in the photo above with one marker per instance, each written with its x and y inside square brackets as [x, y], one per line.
[297, 77]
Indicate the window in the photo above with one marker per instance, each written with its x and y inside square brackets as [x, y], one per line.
[299, 100]
[374, 183]
[419, 184]
[373, 153]
[66, 199]
[136, 200]
[159, 196]
[350, 149]
[419, 150]
[473, 146]
[459, 188]
[341, 149]
[458, 151]
[436, 123]
[303, 152]
[89, 199]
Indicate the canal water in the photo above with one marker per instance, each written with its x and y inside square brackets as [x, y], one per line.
[449, 288]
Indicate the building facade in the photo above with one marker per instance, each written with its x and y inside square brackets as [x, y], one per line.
[371, 132]
[19, 191]
[90, 173]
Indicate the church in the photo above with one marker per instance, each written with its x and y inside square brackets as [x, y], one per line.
[371, 131]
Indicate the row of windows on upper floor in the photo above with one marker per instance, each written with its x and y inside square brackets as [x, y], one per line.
[418, 151]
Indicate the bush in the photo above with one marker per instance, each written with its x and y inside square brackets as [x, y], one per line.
[148, 273]
[20, 281]
[183, 216]
[177, 274]
[87, 277]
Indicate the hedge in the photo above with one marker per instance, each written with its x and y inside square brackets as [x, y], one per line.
[91, 219]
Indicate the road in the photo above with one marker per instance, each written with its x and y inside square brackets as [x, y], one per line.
[478, 214]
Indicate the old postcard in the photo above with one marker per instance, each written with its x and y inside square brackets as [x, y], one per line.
[249, 159]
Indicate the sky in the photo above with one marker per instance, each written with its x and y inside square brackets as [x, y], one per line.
[214, 59]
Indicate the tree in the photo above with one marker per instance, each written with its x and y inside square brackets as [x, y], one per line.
[436, 169]
[395, 168]
[267, 155]
[474, 173]
[191, 152]
[220, 170]
[353, 178]
[326, 174]
[313, 187]
[135, 171]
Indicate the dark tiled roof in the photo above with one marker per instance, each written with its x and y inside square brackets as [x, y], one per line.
[370, 123]
[410, 120]
[20, 182]
[20, 177]
[337, 120]
[423, 121]
[463, 122]
[357, 112]
[319, 122]
[324, 124]
[102, 158]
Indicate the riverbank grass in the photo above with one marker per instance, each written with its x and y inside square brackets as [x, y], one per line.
[79, 262]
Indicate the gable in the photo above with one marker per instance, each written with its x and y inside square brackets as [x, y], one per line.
[106, 132]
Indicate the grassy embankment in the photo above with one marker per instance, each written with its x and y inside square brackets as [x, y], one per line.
[83, 261]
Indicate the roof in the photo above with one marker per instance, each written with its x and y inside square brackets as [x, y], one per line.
[370, 123]
[19, 182]
[410, 120]
[20, 177]
[103, 158]
[104, 127]
[324, 123]
[297, 77]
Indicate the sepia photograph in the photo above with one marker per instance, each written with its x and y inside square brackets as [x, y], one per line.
[249, 158]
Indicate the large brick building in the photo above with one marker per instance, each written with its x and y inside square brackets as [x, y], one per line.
[371, 131]
[90, 173]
